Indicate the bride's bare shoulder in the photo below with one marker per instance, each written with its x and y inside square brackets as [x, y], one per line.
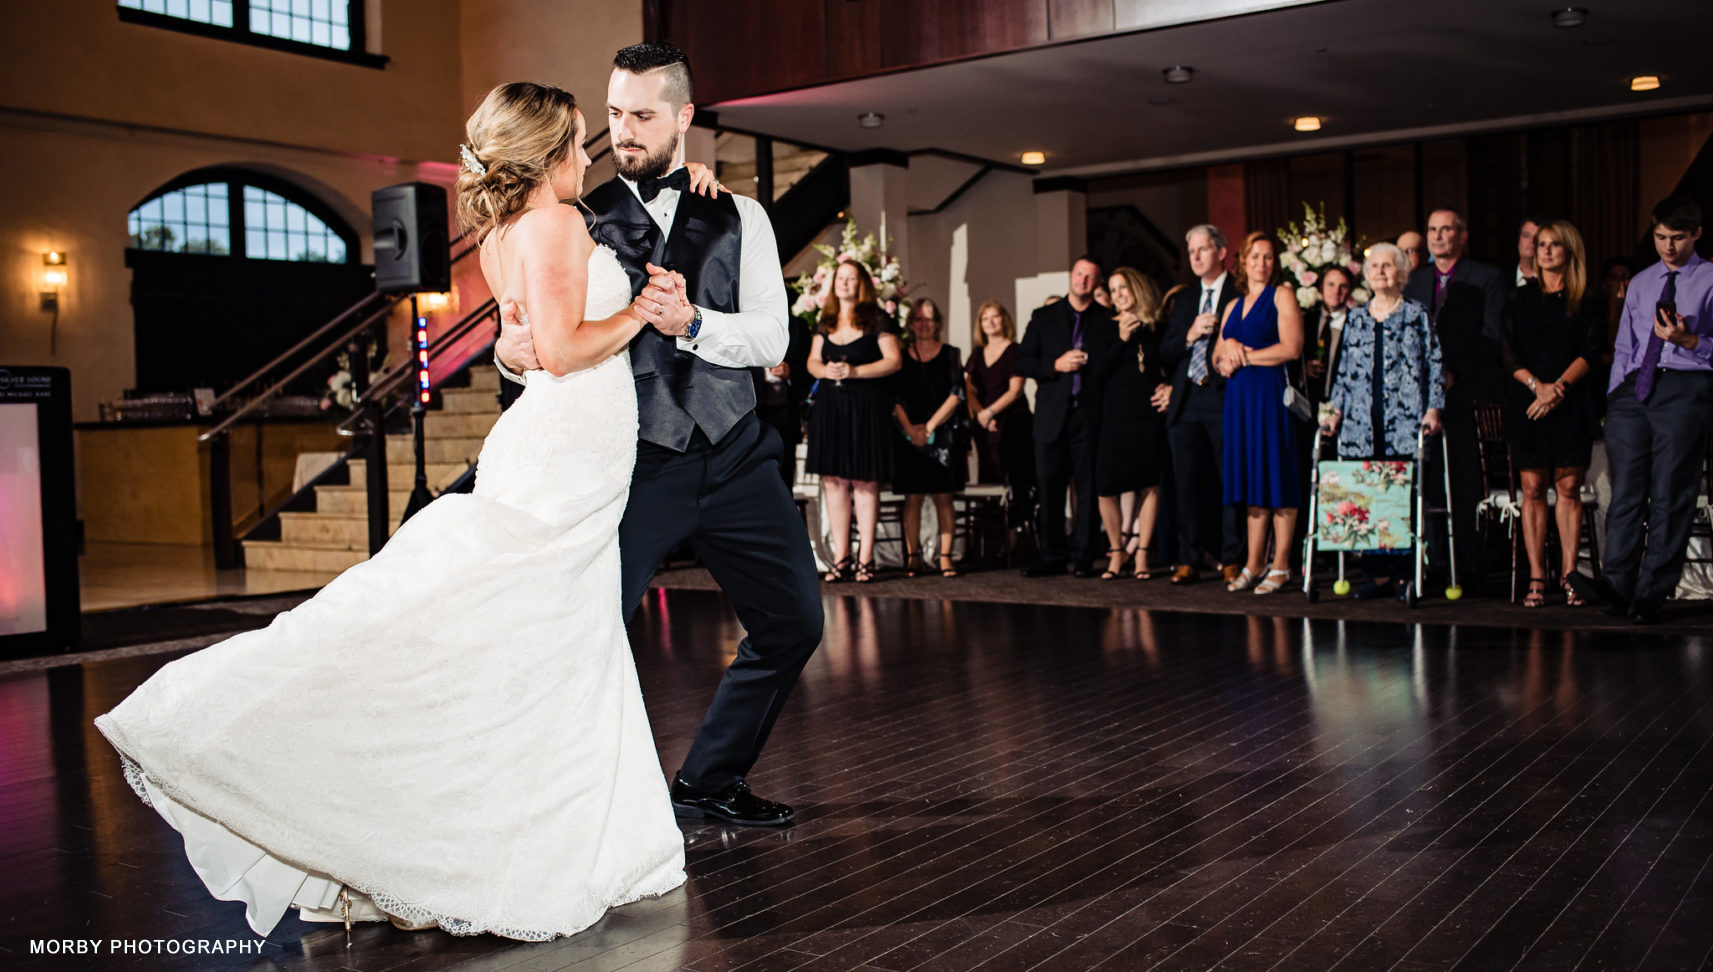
[552, 227]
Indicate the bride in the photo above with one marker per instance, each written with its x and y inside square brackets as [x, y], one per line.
[452, 733]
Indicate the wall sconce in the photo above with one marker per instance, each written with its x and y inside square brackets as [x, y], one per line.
[53, 278]
[430, 303]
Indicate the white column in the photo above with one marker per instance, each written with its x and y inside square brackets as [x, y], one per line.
[699, 145]
[880, 204]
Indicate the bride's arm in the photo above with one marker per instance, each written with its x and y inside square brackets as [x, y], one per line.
[553, 248]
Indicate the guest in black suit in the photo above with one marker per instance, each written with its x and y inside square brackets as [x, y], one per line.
[1195, 412]
[1465, 301]
[779, 394]
[1061, 350]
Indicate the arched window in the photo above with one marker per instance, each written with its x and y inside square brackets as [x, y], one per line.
[229, 268]
[242, 214]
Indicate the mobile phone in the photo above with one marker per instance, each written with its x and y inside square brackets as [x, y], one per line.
[1665, 306]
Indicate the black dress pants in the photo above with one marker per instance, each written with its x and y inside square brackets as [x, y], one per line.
[1656, 449]
[729, 501]
[1057, 463]
[1207, 527]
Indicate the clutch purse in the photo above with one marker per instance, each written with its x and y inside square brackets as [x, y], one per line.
[1298, 404]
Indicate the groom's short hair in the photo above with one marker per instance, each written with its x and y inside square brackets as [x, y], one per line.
[653, 56]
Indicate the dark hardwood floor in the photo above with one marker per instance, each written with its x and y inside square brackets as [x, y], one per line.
[1012, 786]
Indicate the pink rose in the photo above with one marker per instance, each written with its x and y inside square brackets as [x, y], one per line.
[1309, 278]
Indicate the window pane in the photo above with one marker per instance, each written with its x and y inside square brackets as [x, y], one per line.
[221, 13]
[341, 39]
[335, 249]
[321, 35]
[277, 246]
[178, 8]
[256, 244]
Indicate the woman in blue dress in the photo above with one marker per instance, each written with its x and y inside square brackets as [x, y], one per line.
[1263, 332]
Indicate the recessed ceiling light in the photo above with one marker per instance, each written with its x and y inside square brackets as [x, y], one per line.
[1307, 123]
[1034, 158]
[871, 119]
[1645, 82]
[1570, 17]
[1179, 74]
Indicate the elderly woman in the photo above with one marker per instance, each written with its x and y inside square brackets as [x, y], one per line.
[1389, 383]
[1553, 335]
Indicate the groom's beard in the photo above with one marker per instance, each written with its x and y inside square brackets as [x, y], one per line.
[648, 166]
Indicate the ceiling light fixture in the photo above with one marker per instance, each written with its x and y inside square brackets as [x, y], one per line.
[1178, 74]
[871, 119]
[1307, 123]
[1034, 158]
[1570, 17]
[1645, 82]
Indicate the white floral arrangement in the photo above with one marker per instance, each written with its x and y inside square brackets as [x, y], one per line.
[1312, 248]
[870, 254]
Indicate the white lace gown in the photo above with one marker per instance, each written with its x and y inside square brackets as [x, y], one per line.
[454, 729]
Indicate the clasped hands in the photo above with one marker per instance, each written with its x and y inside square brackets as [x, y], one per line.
[1229, 356]
[1548, 396]
[664, 303]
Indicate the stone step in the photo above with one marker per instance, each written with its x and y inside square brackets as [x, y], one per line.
[272, 555]
[435, 449]
[459, 424]
[485, 377]
[402, 474]
[464, 400]
[327, 530]
[354, 501]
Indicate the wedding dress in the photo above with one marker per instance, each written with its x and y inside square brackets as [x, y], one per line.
[453, 730]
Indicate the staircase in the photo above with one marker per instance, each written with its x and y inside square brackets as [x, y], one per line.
[335, 536]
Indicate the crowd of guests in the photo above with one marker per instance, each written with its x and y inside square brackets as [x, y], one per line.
[1219, 389]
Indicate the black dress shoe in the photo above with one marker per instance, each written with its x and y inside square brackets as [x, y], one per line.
[735, 804]
[1050, 568]
[1086, 571]
[1645, 611]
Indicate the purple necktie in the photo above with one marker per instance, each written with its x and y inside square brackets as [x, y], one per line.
[1656, 344]
[1077, 343]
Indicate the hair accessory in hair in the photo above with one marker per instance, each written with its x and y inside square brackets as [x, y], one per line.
[470, 161]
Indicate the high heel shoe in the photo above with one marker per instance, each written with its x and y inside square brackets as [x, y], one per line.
[1115, 558]
[1140, 569]
[947, 568]
[411, 926]
[865, 572]
[914, 565]
[840, 571]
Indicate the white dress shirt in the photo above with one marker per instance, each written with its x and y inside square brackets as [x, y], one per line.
[756, 335]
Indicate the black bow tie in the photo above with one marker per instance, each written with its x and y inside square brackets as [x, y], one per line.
[678, 179]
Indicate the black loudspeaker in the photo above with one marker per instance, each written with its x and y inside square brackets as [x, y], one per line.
[411, 249]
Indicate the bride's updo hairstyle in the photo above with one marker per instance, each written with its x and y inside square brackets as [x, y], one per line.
[520, 133]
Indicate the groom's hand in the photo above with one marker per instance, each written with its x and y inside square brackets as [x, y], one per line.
[516, 346]
[665, 303]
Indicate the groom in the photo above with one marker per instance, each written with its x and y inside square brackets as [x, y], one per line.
[707, 470]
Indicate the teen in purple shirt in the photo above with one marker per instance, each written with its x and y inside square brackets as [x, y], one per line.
[1656, 422]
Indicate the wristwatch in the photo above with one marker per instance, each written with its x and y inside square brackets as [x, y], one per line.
[695, 324]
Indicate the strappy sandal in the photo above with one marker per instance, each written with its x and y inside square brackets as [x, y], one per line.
[841, 572]
[1536, 597]
[1243, 581]
[914, 565]
[1142, 571]
[947, 569]
[1571, 597]
[1268, 584]
[1113, 570]
[865, 573]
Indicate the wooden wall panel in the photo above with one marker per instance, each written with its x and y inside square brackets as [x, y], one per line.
[853, 37]
[751, 46]
[1079, 18]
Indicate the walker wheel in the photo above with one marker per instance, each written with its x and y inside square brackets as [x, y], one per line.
[1341, 587]
[1454, 593]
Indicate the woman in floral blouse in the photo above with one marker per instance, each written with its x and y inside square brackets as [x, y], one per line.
[1389, 381]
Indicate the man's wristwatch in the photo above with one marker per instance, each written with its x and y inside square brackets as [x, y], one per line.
[695, 323]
